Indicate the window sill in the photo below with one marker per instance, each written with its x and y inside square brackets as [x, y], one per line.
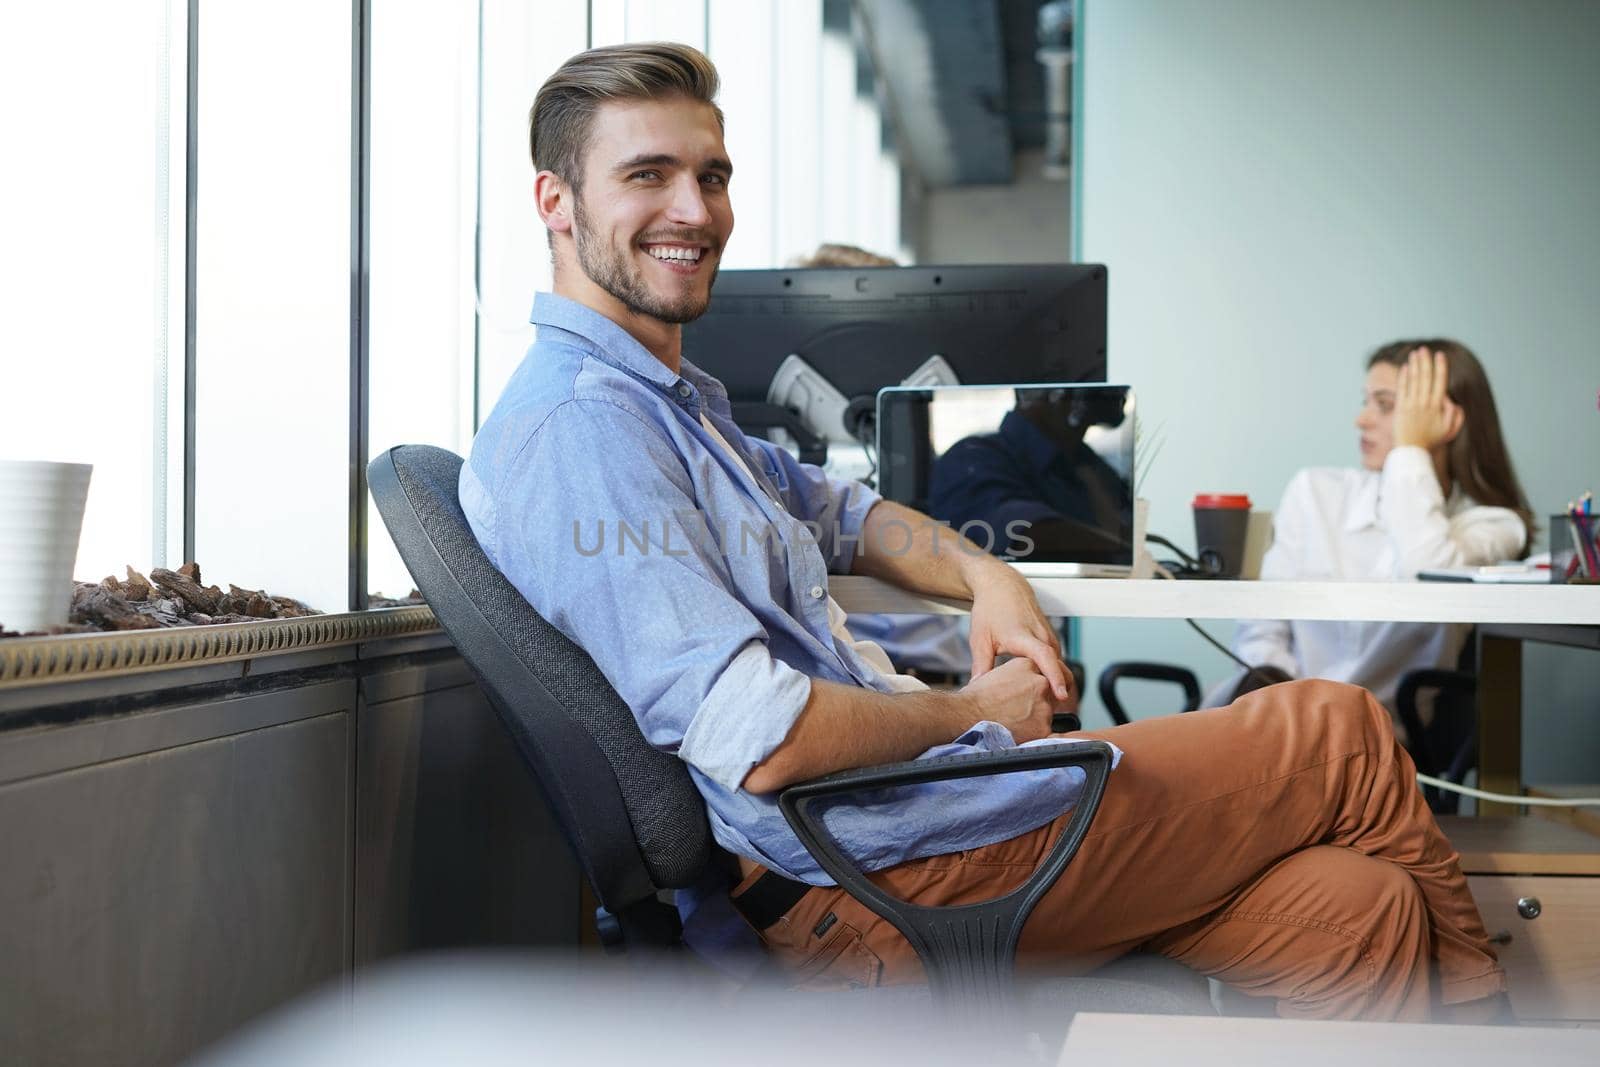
[81, 657]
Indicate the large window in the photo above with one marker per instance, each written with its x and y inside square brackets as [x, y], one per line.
[365, 247]
[522, 44]
[272, 298]
[422, 206]
[93, 224]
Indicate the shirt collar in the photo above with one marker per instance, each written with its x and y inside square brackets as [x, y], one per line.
[611, 344]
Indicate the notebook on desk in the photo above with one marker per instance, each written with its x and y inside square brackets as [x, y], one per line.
[1040, 475]
[1509, 573]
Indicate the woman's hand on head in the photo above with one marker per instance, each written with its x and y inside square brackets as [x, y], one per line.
[1424, 415]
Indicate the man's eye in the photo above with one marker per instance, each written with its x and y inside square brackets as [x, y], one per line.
[715, 179]
[645, 175]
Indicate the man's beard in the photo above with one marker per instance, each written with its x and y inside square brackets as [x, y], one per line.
[610, 269]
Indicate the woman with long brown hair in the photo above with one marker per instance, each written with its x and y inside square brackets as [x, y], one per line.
[1436, 488]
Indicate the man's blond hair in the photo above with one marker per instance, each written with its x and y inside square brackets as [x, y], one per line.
[564, 109]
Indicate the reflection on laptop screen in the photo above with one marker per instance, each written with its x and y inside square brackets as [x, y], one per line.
[1036, 474]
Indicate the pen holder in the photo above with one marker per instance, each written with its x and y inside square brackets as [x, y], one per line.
[1564, 551]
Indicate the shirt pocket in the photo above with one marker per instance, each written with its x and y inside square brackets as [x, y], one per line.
[773, 471]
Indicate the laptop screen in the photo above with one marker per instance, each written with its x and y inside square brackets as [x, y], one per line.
[1037, 473]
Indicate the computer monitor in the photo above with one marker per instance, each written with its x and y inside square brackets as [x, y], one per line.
[863, 328]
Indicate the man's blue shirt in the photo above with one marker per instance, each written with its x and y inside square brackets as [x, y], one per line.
[700, 588]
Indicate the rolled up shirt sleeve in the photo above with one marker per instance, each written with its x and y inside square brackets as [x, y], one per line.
[602, 540]
[836, 507]
[749, 711]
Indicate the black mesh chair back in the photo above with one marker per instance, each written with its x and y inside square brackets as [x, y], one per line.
[1446, 746]
[630, 811]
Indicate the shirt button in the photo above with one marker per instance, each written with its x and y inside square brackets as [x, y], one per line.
[817, 592]
[684, 390]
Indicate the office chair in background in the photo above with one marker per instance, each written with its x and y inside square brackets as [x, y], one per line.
[1447, 745]
[1148, 672]
[632, 814]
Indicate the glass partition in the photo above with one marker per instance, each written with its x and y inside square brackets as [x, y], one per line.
[422, 205]
[93, 224]
[272, 299]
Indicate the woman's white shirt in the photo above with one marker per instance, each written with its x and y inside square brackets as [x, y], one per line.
[1339, 523]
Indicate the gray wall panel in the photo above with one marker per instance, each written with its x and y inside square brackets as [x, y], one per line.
[151, 904]
[168, 873]
[455, 845]
[415, 675]
[45, 750]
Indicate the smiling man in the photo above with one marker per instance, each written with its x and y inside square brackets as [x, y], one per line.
[650, 237]
[1279, 844]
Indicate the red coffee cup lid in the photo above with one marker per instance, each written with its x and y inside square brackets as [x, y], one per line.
[1238, 501]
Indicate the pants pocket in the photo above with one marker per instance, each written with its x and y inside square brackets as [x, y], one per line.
[841, 961]
[836, 959]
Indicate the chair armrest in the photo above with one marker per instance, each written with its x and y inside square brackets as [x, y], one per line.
[967, 950]
[1150, 672]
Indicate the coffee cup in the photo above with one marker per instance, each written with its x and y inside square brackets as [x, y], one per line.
[41, 516]
[1221, 524]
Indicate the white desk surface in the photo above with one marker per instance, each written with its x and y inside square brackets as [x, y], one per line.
[1207, 1041]
[1468, 602]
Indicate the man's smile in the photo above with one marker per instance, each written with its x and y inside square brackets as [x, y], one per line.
[679, 258]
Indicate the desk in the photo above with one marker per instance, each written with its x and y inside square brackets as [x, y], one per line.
[1202, 1041]
[1110, 598]
[1500, 644]
[1551, 954]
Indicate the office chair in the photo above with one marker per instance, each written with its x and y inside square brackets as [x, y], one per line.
[1447, 745]
[1149, 672]
[631, 812]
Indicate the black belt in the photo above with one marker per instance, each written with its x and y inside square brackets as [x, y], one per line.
[769, 899]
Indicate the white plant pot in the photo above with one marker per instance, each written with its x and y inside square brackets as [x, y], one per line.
[41, 515]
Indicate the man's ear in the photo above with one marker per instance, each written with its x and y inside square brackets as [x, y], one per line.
[554, 200]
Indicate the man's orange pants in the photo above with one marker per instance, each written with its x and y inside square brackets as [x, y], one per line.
[1279, 844]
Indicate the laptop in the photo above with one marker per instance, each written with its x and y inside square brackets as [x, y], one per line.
[1040, 475]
